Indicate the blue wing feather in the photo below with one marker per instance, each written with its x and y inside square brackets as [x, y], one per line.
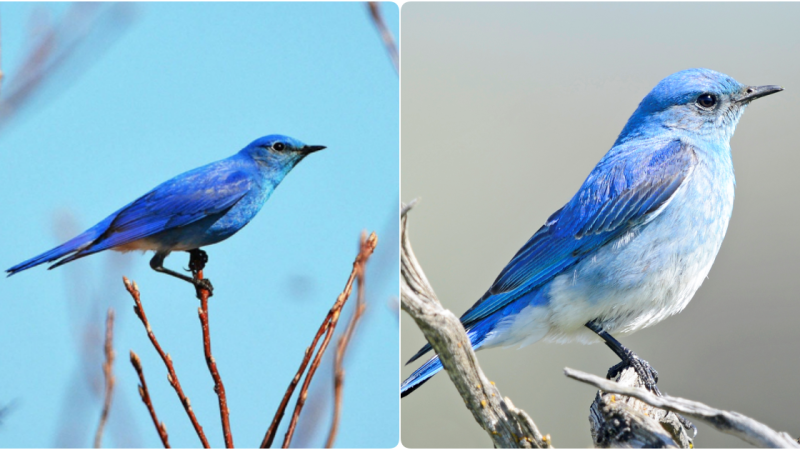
[181, 201]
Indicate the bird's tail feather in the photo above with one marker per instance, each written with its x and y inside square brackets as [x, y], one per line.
[74, 245]
[434, 365]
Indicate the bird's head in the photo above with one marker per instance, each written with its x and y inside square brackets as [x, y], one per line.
[703, 102]
[279, 153]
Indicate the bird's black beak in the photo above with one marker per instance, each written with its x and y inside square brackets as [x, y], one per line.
[754, 92]
[312, 148]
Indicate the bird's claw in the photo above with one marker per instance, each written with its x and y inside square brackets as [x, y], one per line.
[197, 260]
[647, 374]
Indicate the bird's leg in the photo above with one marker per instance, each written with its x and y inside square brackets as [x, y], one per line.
[197, 262]
[646, 372]
[157, 264]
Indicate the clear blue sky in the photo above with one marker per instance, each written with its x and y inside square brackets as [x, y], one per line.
[185, 85]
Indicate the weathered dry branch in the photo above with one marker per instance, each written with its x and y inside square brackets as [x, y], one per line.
[618, 421]
[144, 393]
[108, 376]
[728, 422]
[507, 426]
[172, 377]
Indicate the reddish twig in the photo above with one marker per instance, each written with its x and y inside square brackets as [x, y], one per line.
[341, 348]
[273, 427]
[145, 395]
[219, 388]
[172, 377]
[367, 247]
[108, 375]
[386, 35]
[327, 328]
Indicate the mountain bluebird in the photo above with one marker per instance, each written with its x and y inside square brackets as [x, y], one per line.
[197, 208]
[634, 244]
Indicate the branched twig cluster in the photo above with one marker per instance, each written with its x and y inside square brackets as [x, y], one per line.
[617, 418]
[108, 376]
[327, 328]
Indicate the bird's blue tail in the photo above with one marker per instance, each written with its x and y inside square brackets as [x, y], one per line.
[74, 245]
[434, 365]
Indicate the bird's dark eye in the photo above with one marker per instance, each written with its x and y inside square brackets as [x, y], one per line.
[707, 100]
[279, 146]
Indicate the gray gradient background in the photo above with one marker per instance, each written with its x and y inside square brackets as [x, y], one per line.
[505, 110]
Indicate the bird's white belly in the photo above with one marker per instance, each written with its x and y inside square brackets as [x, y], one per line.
[636, 281]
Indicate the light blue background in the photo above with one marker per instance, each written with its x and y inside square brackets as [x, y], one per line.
[188, 84]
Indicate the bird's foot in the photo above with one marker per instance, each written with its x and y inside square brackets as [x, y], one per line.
[647, 374]
[197, 260]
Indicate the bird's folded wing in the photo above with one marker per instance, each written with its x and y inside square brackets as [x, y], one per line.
[626, 189]
[181, 201]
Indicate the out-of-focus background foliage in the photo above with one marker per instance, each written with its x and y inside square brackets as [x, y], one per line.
[132, 95]
[506, 109]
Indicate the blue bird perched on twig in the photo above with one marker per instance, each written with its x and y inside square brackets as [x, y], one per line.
[634, 244]
[195, 209]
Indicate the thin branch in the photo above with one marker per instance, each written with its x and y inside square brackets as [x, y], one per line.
[144, 393]
[341, 348]
[367, 247]
[273, 427]
[108, 375]
[728, 422]
[219, 388]
[172, 377]
[507, 426]
[386, 35]
[327, 328]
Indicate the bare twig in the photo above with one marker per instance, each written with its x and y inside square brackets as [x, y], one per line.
[507, 426]
[386, 35]
[108, 375]
[273, 427]
[172, 377]
[367, 247]
[144, 393]
[327, 328]
[729, 422]
[341, 348]
[219, 388]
